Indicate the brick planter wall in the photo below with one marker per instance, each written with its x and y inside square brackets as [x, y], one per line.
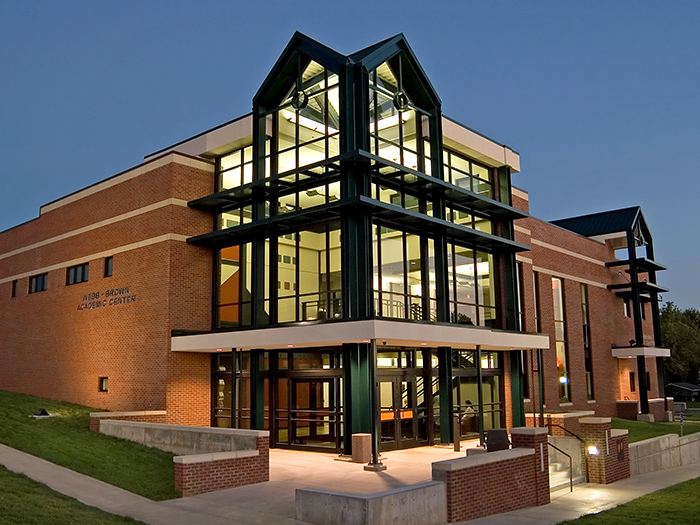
[149, 416]
[612, 463]
[497, 482]
[555, 422]
[202, 473]
[627, 409]
[535, 438]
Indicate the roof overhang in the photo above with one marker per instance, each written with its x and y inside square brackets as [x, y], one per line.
[393, 333]
[637, 351]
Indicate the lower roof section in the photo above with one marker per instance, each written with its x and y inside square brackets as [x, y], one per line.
[392, 333]
[636, 351]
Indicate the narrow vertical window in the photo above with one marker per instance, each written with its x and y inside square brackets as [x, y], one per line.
[633, 388]
[103, 384]
[109, 265]
[560, 340]
[536, 296]
[587, 356]
[14, 288]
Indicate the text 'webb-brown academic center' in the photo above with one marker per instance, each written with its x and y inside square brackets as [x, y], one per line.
[343, 260]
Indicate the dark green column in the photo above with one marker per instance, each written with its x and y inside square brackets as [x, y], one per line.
[480, 395]
[638, 328]
[445, 391]
[257, 389]
[357, 407]
[516, 388]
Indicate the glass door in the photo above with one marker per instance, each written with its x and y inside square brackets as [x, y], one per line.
[398, 414]
[313, 417]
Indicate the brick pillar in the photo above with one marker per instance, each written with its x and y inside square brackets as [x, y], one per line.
[610, 461]
[535, 438]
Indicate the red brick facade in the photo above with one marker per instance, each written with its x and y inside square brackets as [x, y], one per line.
[497, 482]
[578, 260]
[612, 461]
[115, 327]
[210, 473]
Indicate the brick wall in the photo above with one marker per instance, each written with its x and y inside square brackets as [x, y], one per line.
[612, 461]
[209, 472]
[627, 409]
[58, 343]
[536, 439]
[575, 259]
[189, 389]
[497, 482]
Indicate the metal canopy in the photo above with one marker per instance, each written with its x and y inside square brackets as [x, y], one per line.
[390, 174]
[644, 264]
[384, 213]
[637, 351]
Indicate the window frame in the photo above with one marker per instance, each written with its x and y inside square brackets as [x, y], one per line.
[80, 273]
[38, 283]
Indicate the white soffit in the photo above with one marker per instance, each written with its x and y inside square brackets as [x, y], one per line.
[333, 334]
[635, 351]
[477, 146]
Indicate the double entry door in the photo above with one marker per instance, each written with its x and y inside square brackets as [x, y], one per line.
[403, 410]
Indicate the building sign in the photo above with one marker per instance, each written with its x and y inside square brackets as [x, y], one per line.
[111, 297]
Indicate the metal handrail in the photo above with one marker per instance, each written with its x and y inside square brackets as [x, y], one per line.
[565, 430]
[571, 466]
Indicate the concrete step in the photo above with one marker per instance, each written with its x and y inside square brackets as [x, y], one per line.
[560, 481]
[558, 467]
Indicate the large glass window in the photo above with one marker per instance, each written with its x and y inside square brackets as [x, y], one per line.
[308, 121]
[471, 287]
[560, 340]
[308, 276]
[396, 124]
[234, 286]
[403, 280]
[467, 174]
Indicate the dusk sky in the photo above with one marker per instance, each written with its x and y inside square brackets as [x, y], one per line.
[600, 98]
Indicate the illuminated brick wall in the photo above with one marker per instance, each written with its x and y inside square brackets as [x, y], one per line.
[58, 343]
[575, 259]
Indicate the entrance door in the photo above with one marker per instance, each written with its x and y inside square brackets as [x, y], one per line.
[399, 417]
[313, 415]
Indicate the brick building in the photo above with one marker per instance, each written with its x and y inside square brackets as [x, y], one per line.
[266, 273]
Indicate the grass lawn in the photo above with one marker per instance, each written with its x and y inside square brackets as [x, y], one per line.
[640, 430]
[677, 504]
[26, 502]
[65, 439]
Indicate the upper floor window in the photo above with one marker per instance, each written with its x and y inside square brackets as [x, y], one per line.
[38, 283]
[109, 266]
[14, 288]
[77, 274]
[467, 174]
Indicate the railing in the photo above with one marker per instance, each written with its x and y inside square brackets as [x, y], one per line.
[571, 466]
[583, 444]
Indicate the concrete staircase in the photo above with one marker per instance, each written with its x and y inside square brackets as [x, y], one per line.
[559, 476]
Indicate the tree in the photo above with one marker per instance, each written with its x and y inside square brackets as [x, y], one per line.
[680, 331]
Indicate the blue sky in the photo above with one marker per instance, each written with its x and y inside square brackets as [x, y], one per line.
[600, 98]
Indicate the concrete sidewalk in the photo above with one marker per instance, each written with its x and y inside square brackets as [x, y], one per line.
[273, 502]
